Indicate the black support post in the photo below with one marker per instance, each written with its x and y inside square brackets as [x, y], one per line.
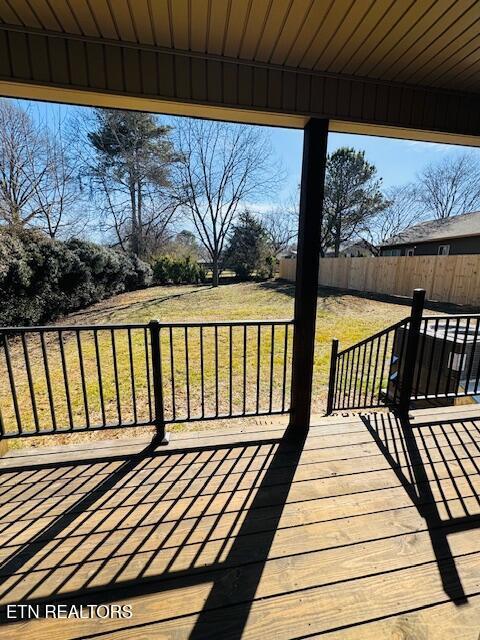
[308, 251]
[411, 348]
[333, 375]
[161, 436]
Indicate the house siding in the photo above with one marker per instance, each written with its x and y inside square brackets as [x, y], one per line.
[458, 246]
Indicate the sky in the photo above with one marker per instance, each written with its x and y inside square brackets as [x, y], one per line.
[397, 161]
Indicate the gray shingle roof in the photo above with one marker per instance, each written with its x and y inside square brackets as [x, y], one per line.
[466, 224]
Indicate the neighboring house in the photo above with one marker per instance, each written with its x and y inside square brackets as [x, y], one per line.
[448, 236]
[358, 249]
[286, 254]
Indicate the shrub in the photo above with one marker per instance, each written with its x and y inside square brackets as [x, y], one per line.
[169, 270]
[249, 251]
[42, 279]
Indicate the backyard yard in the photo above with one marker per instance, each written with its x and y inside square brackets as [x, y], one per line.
[348, 317]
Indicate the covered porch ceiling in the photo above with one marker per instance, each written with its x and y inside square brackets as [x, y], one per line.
[405, 69]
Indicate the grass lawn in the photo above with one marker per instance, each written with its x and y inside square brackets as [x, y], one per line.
[347, 317]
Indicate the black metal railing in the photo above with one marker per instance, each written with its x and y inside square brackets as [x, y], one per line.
[448, 362]
[81, 378]
[360, 376]
[421, 360]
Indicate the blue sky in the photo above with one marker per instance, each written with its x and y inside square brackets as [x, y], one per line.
[397, 161]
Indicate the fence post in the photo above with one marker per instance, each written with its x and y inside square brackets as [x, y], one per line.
[333, 375]
[408, 369]
[161, 436]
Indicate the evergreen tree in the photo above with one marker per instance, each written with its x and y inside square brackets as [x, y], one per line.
[134, 155]
[352, 197]
[249, 250]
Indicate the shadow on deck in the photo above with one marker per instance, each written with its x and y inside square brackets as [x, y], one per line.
[436, 461]
[365, 529]
[149, 522]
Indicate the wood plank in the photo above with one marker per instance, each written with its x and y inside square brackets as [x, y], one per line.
[325, 605]
[457, 460]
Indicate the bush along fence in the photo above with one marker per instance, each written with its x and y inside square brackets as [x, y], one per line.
[170, 270]
[42, 279]
[82, 378]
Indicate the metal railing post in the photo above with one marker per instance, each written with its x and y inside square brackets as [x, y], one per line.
[161, 436]
[333, 375]
[408, 369]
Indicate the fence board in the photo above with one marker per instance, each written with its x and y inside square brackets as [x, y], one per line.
[454, 279]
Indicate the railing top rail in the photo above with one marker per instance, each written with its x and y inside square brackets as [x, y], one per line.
[93, 327]
[374, 336]
[452, 316]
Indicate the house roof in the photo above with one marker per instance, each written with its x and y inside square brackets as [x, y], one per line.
[464, 225]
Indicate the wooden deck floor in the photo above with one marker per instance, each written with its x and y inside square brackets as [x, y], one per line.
[368, 530]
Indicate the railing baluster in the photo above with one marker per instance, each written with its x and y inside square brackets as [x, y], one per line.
[202, 373]
[231, 370]
[115, 375]
[375, 369]
[49, 382]
[30, 383]
[272, 360]
[462, 358]
[147, 373]
[11, 380]
[187, 373]
[419, 360]
[472, 356]
[216, 373]
[82, 376]
[284, 377]
[244, 369]
[259, 328]
[172, 372]
[99, 377]
[65, 379]
[132, 376]
[452, 357]
[433, 343]
[339, 376]
[382, 373]
[2, 424]
[442, 356]
[369, 365]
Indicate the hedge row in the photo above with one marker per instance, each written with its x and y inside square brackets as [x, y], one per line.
[168, 270]
[42, 279]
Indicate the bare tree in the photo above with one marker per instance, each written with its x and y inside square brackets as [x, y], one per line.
[281, 225]
[23, 165]
[38, 174]
[62, 209]
[222, 166]
[450, 187]
[399, 215]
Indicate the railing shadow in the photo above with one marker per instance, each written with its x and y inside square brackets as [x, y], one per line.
[438, 464]
[147, 523]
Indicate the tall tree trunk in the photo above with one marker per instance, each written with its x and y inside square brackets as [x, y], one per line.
[134, 242]
[140, 221]
[338, 235]
[215, 272]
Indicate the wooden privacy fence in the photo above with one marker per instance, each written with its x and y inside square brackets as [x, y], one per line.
[454, 279]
